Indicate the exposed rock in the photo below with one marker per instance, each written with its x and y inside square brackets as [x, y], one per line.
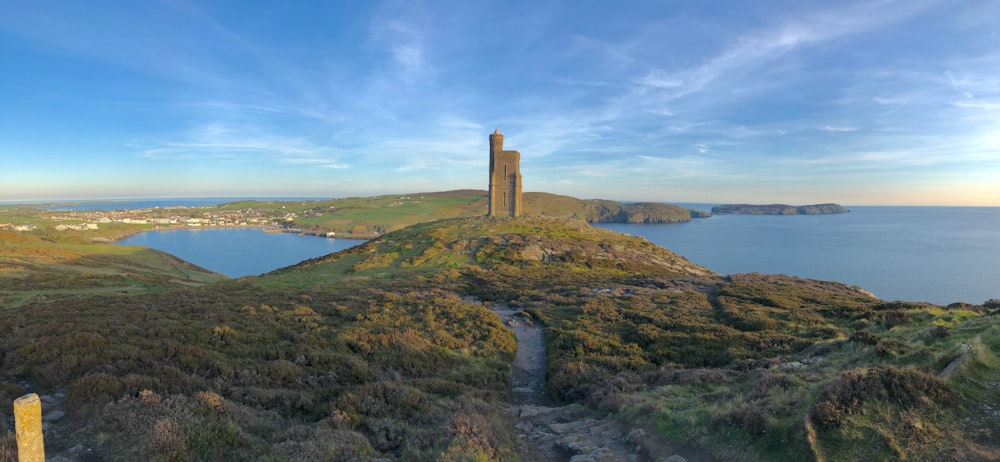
[597, 455]
[53, 416]
[963, 350]
[793, 365]
[635, 436]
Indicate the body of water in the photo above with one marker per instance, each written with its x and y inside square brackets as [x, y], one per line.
[238, 252]
[934, 254]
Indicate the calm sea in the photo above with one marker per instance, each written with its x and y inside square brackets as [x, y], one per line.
[935, 254]
[238, 252]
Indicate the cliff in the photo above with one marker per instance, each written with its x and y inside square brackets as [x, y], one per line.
[606, 211]
[778, 209]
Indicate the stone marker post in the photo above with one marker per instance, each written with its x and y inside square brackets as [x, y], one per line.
[28, 425]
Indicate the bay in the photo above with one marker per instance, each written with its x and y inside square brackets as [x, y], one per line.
[238, 252]
[934, 254]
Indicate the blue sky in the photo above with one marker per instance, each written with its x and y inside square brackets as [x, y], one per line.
[872, 102]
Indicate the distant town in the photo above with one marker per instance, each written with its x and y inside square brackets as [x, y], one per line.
[350, 218]
[180, 217]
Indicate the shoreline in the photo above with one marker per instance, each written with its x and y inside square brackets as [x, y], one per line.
[264, 229]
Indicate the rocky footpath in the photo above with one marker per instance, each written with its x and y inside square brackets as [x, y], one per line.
[561, 433]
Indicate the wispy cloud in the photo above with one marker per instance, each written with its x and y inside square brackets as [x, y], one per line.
[990, 105]
[246, 144]
[839, 128]
[401, 30]
[757, 49]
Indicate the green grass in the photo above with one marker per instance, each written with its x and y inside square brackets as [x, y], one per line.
[36, 267]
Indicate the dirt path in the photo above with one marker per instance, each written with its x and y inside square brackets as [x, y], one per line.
[558, 433]
[527, 378]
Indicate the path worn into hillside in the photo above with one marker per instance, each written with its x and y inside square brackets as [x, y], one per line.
[527, 378]
[565, 432]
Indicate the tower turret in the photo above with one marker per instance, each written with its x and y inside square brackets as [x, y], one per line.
[496, 141]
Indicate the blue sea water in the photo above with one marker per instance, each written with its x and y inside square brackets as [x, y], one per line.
[934, 254]
[238, 252]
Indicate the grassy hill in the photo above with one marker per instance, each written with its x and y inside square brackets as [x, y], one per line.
[387, 350]
[371, 216]
[34, 266]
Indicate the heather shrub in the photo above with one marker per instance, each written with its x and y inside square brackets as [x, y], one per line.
[92, 391]
[854, 389]
[8, 447]
[863, 336]
[749, 418]
[480, 437]
[773, 383]
[938, 332]
[325, 444]
[8, 393]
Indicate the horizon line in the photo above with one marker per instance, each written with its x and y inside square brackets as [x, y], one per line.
[321, 198]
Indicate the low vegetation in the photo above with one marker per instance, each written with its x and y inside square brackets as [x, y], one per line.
[387, 350]
[235, 372]
[42, 266]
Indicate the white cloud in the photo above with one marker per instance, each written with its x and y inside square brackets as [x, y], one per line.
[989, 105]
[250, 143]
[755, 50]
[839, 128]
[402, 32]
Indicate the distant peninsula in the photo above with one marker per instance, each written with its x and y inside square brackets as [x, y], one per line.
[778, 209]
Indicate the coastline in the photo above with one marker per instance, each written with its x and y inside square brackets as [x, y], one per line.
[264, 229]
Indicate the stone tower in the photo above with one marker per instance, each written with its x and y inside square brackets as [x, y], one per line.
[505, 179]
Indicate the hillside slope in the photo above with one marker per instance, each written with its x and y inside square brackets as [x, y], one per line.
[33, 266]
[388, 351]
[491, 243]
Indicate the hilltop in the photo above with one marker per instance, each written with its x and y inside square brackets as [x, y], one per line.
[370, 217]
[389, 350]
[492, 243]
